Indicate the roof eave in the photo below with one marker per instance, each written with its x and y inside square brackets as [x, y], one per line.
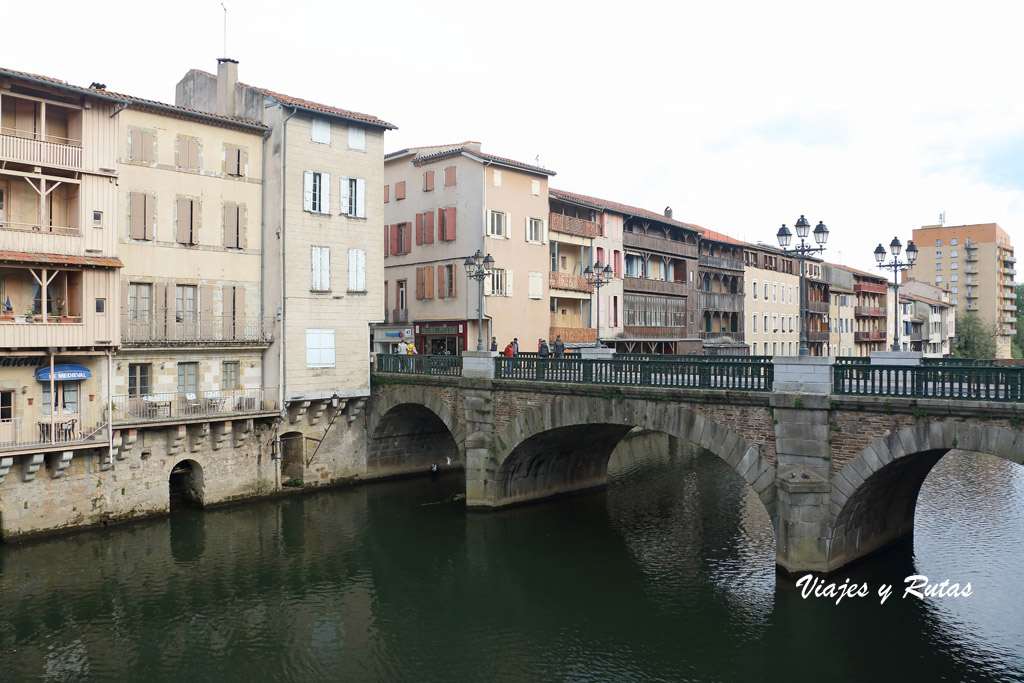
[383, 125]
[64, 86]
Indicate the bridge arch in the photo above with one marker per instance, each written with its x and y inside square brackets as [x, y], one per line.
[874, 496]
[408, 429]
[564, 446]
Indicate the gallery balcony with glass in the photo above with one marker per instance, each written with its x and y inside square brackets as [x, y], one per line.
[38, 132]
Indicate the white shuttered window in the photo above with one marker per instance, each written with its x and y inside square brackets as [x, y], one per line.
[321, 261]
[316, 192]
[536, 285]
[357, 270]
[357, 138]
[353, 197]
[322, 131]
[319, 348]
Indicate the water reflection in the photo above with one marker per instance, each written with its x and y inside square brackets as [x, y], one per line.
[667, 575]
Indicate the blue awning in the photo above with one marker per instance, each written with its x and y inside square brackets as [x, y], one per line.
[63, 372]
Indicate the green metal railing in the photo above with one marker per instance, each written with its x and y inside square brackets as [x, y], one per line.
[420, 365]
[750, 375]
[853, 360]
[965, 382]
[974, 362]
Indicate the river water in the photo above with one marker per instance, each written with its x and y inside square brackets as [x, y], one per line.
[668, 575]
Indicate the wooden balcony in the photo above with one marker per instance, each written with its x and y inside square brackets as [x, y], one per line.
[721, 263]
[651, 332]
[575, 335]
[817, 307]
[817, 335]
[871, 336]
[659, 244]
[201, 330]
[729, 303]
[869, 312]
[42, 239]
[722, 337]
[68, 332]
[869, 287]
[568, 281]
[663, 287]
[27, 150]
[572, 226]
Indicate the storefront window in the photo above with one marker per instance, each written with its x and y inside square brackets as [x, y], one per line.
[65, 401]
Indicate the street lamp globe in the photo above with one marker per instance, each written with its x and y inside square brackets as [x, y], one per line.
[802, 226]
[784, 236]
[488, 263]
[470, 266]
[895, 246]
[879, 254]
[911, 251]
[821, 233]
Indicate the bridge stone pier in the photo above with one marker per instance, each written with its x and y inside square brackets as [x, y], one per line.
[838, 474]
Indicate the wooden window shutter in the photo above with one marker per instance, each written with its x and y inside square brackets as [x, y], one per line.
[449, 221]
[160, 308]
[428, 273]
[239, 313]
[137, 215]
[451, 293]
[183, 216]
[307, 191]
[230, 225]
[508, 283]
[360, 270]
[193, 236]
[360, 198]
[419, 283]
[344, 195]
[440, 282]
[243, 162]
[228, 306]
[150, 221]
[395, 235]
[400, 190]
[243, 224]
[353, 270]
[449, 176]
[387, 194]
[428, 227]
[325, 193]
[147, 147]
[428, 181]
[441, 228]
[387, 241]
[419, 228]
[205, 308]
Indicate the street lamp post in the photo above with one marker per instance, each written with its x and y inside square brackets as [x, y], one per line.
[802, 253]
[478, 267]
[599, 276]
[896, 266]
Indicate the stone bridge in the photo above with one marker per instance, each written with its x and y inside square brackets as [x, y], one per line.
[838, 475]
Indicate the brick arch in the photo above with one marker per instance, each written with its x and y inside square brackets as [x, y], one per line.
[874, 496]
[403, 436]
[599, 424]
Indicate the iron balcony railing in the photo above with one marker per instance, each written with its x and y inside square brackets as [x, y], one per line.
[749, 375]
[419, 364]
[159, 329]
[172, 406]
[84, 427]
[963, 382]
[399, 315]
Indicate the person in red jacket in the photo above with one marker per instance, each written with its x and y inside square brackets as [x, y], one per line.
[509, 351]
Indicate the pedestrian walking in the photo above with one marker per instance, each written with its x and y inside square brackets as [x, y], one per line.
[559, 347]
[494, 343]
[509, 351]
[515, 346]
[542, 349]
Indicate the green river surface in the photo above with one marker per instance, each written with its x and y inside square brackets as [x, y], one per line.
[667, 575]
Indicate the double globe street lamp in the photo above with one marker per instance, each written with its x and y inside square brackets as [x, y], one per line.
[478, 267]
[896, 266]
[598, 277]
[802, 253]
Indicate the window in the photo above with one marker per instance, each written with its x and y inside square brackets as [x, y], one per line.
[101, 305]
[319, 348]
[938, 253]
[186, 221]
[766, 291]
[353, 197]
[449, 176]
[321, 269]
[938, 266]
[536, 285]
[775, 348]
[97, 216]
[755, 290]
[236, 161]
[188, 378]
[317, 192]
[141, 216]
[754, 319]
[775, 292]
[953, 253]
[185, 304]
[138, 379]
[229, 378]
[446, 224]
[938, 243]
[956, 290]
[535, 231]
[952, 242]
[399, 190]
[65, 400]
[535, 187]
[775, 323]
[235, 218]
[140, 147]
[425, 283]
[400, 294]
[954, 265]
[497, 177]
[955, 302]
[446, 282]
[401, 238]
[938, 279]
[428, 181]
[188, 153]
[790, 323]
[140, 302]
[497, 224]
[357, 270]
[498, 283]
[755, 347]
[766, 323]
[322, 131]
[357, 138]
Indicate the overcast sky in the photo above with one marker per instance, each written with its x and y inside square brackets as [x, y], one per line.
[874, 117]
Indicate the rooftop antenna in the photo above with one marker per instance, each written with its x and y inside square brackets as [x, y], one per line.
[225, 30]
[537, 160]
[942, 218]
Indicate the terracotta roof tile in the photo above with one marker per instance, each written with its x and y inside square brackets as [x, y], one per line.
[324, 108]
[60, 259]
[621, 208]
[862, 273]
[717, 236]
[483, 156]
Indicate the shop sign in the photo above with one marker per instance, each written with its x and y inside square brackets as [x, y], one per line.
[63, 373]
[22, 361]
[447, 329]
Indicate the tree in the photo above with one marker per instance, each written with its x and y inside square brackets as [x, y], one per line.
[974, 339]
[1018, 339]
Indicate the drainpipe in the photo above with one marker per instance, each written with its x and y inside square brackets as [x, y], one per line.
[110, 414]
[263, 250]
[483, 243]
[284, 299]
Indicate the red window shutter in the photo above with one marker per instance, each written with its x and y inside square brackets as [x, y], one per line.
[428, 227]
[387, 193]
[419, 283]
[428, 181]
[452, 292]
[428, 276]
[440, 225]
[449, 176]
[387, 243]
[419, 228]
[394, 240]
[449, 221]
[400, 190]
[440, 282]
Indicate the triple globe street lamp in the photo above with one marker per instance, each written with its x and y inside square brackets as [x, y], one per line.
[896, 266]
[478, 267]
[598, 277]
[802, 253]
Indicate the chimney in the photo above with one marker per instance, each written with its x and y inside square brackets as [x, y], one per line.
[668, 212]
[227, 77]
